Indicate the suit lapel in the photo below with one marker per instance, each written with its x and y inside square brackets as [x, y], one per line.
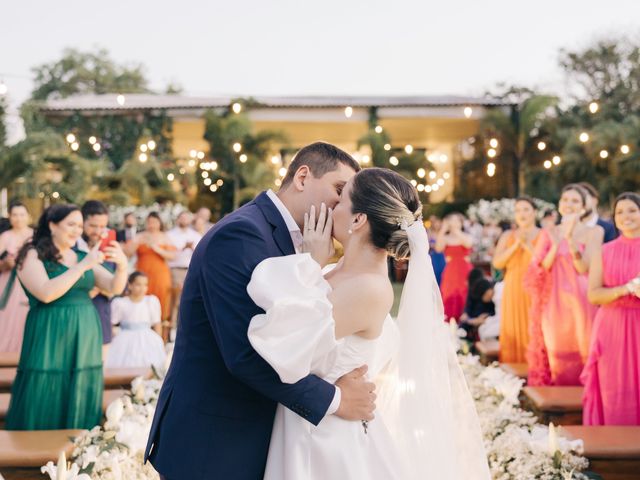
[281, 233]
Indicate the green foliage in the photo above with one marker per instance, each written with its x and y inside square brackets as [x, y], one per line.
[241, 180]
[86, 73]
[3, 126]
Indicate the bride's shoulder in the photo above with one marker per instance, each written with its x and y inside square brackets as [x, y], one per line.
[366, 288]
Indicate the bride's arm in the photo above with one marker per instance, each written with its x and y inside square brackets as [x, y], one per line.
[360, 306]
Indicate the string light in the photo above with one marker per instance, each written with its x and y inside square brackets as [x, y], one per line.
[237, 147]
[547, 164]
[236, 107]
[378, 129]
[446, 175]
[143, 157]
[542, 146]
[593, 107]
[214, 165]
[491, 153]
[219, 182]
[171, 177]
[421, 172]
[143, 148]
[182, 171]
[71, 138]
[243, 158]
[191, 163]
[414, 183]
[92, 140]
[205, 174]
[428, 188]
[440, 182]
[432, 175]
[625, 149]
[493, 143]
[420, 188]
[604, 154]
[408, 149]
[556, 160]
[207, 181]
[278, 182]
[393, 161]
[491, 169]
[200, 155]
[282, 171]
[584, 137]
[75, 146]
[96, 147]
[213, 188]
[366, 159]
[387, 147]
[348, 111]
[55, 195]
[120, 99]
[435, 187]
[193, 153]
[468, 111]
[151, 144]
[275, 159]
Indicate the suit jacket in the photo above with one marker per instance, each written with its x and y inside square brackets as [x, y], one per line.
[610, 231]
[216, 408]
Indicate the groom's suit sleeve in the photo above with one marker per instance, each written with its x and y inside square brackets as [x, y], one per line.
[230, 258]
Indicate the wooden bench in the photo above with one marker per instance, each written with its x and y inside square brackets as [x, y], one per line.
[113, 378]
[560, 405]
[488, 351]
[107, 397]
[23, 453]
[613, 451]
[9, 359]
[520, 370]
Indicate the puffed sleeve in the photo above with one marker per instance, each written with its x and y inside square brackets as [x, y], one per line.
[154, 309]
[117, 310]
[296, 334]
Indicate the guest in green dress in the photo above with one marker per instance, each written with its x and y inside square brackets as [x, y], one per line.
[59, 382]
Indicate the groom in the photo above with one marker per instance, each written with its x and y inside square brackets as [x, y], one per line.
[216, 408]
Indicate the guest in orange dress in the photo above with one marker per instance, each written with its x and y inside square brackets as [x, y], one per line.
[456, 246]
[513, 255]
[563, 313]
[154, 250]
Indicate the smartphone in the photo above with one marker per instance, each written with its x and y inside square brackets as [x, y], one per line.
[109, 237]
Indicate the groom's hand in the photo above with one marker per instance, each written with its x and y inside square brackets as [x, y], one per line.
[358, 396]
[316, 237]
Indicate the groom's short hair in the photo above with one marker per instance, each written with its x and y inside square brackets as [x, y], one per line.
[321, 158]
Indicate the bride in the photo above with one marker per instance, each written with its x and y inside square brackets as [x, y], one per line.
[426, 426]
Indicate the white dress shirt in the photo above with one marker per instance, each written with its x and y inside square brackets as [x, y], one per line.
[180, 237]
[296, 238]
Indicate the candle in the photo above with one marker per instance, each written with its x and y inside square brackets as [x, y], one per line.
[61, 471]
[553, 439]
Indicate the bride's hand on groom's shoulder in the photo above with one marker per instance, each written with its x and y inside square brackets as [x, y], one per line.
[357, 401]
[316, 236]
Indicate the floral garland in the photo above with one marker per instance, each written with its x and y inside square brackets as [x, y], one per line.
[495, 211]
[517, 446]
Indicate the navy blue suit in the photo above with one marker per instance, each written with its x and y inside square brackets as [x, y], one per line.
[610, 231]
[217, 404]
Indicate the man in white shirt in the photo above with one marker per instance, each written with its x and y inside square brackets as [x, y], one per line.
[185, 239]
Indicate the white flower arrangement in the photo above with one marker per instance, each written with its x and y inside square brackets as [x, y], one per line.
[168, 213]
[495, 211]
[517, 446]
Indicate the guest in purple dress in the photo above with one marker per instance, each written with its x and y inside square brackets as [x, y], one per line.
[610, 376]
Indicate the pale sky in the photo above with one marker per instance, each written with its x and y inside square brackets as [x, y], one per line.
[287, 47]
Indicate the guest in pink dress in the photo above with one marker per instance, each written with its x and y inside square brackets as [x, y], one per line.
[561, 312]
[456, 246]
[610, 377]
[14, 305]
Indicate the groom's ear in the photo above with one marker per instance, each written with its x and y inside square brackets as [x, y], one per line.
[300, 177]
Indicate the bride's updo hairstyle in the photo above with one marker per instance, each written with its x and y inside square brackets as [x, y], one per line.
[388, 200]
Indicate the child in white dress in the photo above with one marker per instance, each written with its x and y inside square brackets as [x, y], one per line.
[137, 345]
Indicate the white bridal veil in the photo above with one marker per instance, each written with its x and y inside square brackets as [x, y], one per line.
[423, 395]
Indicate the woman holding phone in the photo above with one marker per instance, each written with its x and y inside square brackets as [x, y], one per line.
[59, 382]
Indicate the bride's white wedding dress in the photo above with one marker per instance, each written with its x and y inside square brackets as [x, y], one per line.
[296, 336]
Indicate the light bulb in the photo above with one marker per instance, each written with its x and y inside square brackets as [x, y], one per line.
[348, 111]
[236, 107]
